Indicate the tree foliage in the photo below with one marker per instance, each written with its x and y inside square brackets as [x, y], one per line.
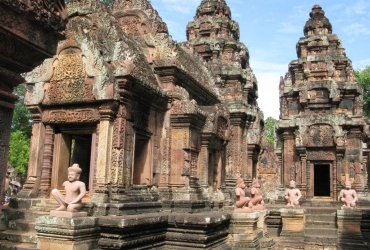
[21, 116]
[270, 129]
[363, 78]
[19, 151]
[19, 146]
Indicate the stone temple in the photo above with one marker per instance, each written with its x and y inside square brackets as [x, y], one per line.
[162, 131]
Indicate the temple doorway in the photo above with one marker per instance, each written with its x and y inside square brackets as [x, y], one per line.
[142, 169]
[322, 180]
[70, 148]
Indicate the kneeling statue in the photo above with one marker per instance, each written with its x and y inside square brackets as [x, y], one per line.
[241, 201]
[75, 191]
[348, 196]
[292, 195]
[256, 201]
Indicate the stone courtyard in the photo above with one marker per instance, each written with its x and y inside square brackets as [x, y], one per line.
[163, 130]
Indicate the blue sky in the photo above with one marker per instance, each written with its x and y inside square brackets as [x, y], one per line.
[271, 28]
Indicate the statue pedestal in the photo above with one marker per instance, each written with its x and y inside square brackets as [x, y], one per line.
[349, 229]
[243, 231]
[65, 214]
[67, 233]
[292, 233]
[263, 236]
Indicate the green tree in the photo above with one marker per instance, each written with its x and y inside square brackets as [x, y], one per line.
[270, 129]
[19, 151]
[21, 116]
[363, 78]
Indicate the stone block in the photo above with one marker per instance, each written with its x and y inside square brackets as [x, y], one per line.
[293, 222]
[65, 233]
[66, 214]
[243, 230]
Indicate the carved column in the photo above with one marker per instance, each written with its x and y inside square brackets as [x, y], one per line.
[303, 173]
[235, 146]
[30, 188]
[6, 112]
[309, 191]
[334, 176]
[119, 135]
[204, 162]
[107, 114]
[288, 154]
[251, 171]
[46, 169]
[340, 170]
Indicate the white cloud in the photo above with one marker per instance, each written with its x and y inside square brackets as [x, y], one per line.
[268, 90]
[359, 7]
[268, 77]
[355, 29]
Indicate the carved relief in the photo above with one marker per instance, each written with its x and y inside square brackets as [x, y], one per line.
[130, 25]
[68, 116]
[69, 81]
[320, 136]
[320, 155]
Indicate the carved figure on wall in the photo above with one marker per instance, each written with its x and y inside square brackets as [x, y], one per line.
[75, 191]
[348, 196]
[292, 195]
[256, 201]
[298, 137]
[241, 201]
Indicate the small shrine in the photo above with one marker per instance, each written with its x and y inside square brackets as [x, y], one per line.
[321, 135]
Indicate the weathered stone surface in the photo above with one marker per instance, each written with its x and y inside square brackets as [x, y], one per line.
[243, 232]
[67, 233]
[349, 229]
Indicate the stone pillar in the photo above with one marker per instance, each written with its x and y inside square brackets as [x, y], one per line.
[349, 229]
[204, 163]
[46, 169]
[334, 180]
[6, 112]
[263, 236]
[292, 234]
[56, 233]
[243, 231]
[107, 113]
[30, 188]
[288, 154]
[304, 173]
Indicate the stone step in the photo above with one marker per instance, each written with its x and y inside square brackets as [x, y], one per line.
[8, 245]
[320, 217]
[321, 231]
[321, 224]
[19, 236]
[22, 225]
[14, 214]
[321, 239]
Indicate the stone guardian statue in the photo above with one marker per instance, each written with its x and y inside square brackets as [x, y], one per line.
[292, 195]
[241, 201]
[75, 191]
[348, 196]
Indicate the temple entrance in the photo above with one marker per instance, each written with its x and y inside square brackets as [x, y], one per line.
[70, 148]
[321, 180]
[142, 169]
